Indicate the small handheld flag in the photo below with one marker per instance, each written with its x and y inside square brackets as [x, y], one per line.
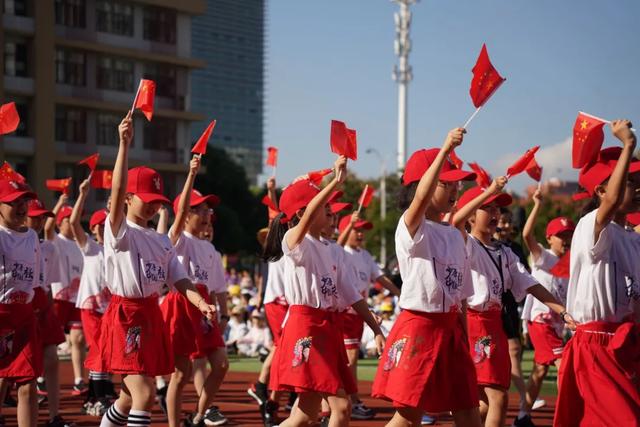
[483, 179]
[61, 185]
[521, 164]
[534, 170]
[91, 161]
[365, 197]
[457, 161]
[317, 176]
[343, 140]
[200, 146]
[145, 97]
[7, 173]
[9, 118]
[485, 82]
[101, 179]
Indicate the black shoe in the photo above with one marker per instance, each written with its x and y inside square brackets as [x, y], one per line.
[58, 421]
[189, 422]
[79, 389]
[259, 392]
[213, 417]
[9, 401]
[525, 421]
[292, 401]
[269, 412]
[2, 421]
[161, 395]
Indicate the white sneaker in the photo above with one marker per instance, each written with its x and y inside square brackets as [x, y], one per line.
[539, 403]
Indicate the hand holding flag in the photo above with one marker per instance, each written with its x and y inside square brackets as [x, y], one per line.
[91, 161]
[343, 140]
[486, 80]
[521, 164]
[9, 118]
[200, 147]
[144, 98]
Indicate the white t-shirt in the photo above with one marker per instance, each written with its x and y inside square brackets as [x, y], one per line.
[603, 282]
[534, 310]
[433, 266]
[70, 269]
[49, 265]
[315, 276]
[275, 283]
[94, 293]
[202, 262]
[139, 261]
[488, 282]
[20, 257]
[366, 268]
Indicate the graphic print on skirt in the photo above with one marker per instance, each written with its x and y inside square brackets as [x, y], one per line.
[133, 340]
[395, 353]
[301, 351]
[482, 349]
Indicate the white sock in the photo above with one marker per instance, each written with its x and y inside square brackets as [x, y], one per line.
[160, 382]
[138, 418]
[78, 380]
[114, 417]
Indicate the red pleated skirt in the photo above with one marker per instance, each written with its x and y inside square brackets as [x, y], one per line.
[489, 348]
[20, 346]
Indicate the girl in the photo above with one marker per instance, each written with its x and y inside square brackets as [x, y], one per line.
[598, 379]
[139, 261]
[93, 299]
[311, 359]
[426, 366]
[494, 269]
[20, 348]
[544, 326]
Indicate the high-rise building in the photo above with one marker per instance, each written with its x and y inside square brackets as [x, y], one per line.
[229, 38]
[73, 67]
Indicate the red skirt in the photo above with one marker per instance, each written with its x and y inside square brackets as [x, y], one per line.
[175, 312]
[49, 327]
[20, 347]
[547, 344]
[599, 379]
[91, 323]
[134, 339]
[489, 348]
[68, 314]
[208, 337]
[275, 317]
[352, 330]
[311, 356]
[426, 364]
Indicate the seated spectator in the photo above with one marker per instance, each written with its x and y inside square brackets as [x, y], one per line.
[237, 328]
[245, 280]
[258, 338]
[368, 344]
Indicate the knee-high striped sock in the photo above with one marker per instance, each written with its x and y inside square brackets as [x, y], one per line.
[139, 418]
[114, 417]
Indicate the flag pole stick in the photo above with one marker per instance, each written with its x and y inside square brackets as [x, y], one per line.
[471, 118]
[135, 99]
[273, 173]
[599, 118]
[366, 187]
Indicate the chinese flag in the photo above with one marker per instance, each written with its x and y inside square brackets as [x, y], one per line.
[266, 200]
[201, 145]
[62, 185]
[534, 170]
[9, 118]
[272, 156]
[588, 137]
[144, 98]
[343, 140]
[317, 176]
[485, 81]
[457, 161]
[102, 179]
[561, 269]
[7, 173]
[366, 196]
[91, 161]
[483, 179]
[521, 164]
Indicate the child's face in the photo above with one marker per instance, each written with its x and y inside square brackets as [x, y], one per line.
[356, 239]
[485, 219]
[445, 196]
[631, 201]
[504, 223]
[198, 218]
[98, 232]
[65, 227]
[324, 220]
[560, 243]
[140, 209]
[14, 214]
[36, 223]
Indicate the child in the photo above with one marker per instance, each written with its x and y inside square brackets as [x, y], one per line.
[310, 358]
[426, 364]
[65, 290]
[93, 299]
[494, 269]
[134, 341]
[543, 325]
[257, 338]
[20, 347]
[598, 379]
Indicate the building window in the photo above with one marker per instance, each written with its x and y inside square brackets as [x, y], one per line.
[115, 74]
[114, 17]
[159, 24]
[71, 67]
[164, 76]
[160, 135]
[107, 129]
[15, 59]
[71, 125]
[15, 7]
[71, 13]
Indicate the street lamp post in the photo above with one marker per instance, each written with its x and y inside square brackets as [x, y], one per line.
[383, 204]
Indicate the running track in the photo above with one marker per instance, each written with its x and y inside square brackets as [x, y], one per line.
[241, 409]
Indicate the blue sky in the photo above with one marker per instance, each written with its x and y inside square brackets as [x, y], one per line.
[333, 59]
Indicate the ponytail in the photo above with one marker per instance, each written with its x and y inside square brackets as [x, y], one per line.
[273, 244]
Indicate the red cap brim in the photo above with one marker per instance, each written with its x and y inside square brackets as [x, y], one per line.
[39, 212]
[501, 199]
[152, 197]
[7, 198]
[210, 199]
[340, 206]
[457, 175]
[363, 225]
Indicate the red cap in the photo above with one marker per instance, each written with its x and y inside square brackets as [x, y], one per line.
[420, 161]
[595, 174]
[297, 196]
[13, 190]
[501, 199]
[558, 225]
[340, 206]
[197, 198]
[633, 218]
[98, 217]
[146, 183]
[64, 212]
[361, 224]
[36, 208]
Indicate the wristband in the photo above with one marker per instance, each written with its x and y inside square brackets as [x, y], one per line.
[562, 314]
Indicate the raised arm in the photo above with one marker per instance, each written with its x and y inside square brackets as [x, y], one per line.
[344, 236]
[163, 220]
[317, 204]
[50, 224]
[271, 190]
[528, 235]
[120, 170]
[414, 215]
[185, 201]
[462, 215]
[614, 193]
[76, 214]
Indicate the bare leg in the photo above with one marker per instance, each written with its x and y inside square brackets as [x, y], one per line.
[179, 378]
[306, 412]
[406, 417]
[498, 401]
[219, 368]
[4, 386]
[515, 349]
[52, 378]
[535, 383]
[266, 367]
[352, 355]
[78, 349]
[467, 418]
[340, 409]
[27, 404]
[200, 373]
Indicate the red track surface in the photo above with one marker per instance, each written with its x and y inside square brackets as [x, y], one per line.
[241, 409]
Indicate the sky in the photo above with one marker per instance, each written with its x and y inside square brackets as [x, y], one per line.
[332, 59]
